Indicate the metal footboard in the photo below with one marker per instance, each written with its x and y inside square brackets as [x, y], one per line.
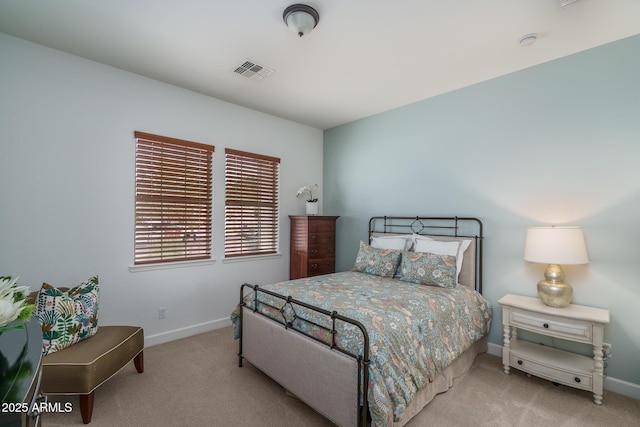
[278, 329]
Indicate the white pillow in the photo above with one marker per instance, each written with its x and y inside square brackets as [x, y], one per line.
[392, 242]
[427, 244]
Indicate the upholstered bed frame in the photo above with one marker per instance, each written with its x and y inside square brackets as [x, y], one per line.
[329, 379]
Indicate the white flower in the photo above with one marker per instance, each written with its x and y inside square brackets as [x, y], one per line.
[308, 189]
[6, 286]
[9, 287]
[13, 304]
[8, 311]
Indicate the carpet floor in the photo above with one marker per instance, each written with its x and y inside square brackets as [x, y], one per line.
[196, 381]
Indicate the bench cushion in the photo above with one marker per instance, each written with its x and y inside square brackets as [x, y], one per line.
[81, 368]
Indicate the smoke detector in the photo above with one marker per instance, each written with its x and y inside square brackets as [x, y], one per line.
[528, 39]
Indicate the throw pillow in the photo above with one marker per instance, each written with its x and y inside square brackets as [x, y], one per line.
[428, 269]
[67, 317]
[380, 262]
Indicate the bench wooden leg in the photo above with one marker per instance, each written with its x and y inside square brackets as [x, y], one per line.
[86, 400]
[139, 362]
[86, 407]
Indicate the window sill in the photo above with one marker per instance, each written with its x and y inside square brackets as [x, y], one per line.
[169, 265]
[250, 258]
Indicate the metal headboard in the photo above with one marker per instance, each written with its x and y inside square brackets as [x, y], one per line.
[434, 226]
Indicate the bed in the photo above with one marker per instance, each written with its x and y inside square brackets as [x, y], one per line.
[374, 345]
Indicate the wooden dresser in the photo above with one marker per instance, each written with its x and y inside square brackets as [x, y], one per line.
[313, 245]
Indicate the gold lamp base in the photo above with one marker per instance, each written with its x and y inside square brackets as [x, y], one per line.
[553, 291]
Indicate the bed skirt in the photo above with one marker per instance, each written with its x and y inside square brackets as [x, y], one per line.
[443, 381]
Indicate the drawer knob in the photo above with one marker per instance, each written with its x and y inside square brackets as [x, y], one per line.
[546, 326]
[577, 379]
[519, 362]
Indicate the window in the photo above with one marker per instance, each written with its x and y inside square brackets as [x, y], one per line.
[173, 200]
[251, 205]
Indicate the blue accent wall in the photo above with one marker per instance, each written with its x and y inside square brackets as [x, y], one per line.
[558, 143]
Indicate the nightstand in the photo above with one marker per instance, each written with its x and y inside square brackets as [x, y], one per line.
[573, 323]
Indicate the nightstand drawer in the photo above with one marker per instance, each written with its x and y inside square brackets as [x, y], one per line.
[552, 326]
[573, 379]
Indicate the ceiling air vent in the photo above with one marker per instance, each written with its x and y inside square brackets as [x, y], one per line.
[252, 70]
[565, 3]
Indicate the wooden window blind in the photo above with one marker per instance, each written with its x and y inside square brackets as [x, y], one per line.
[173, 199]
[251, 204]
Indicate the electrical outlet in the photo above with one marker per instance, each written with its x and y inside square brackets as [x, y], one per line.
[606, 350]
[162, 312]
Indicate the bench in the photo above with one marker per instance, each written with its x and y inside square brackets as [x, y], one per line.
[81, 368]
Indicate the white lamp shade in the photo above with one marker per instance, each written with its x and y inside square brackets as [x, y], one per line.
[556, 245]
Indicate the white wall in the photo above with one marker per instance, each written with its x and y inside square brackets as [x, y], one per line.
[67, 185]
[558, 143]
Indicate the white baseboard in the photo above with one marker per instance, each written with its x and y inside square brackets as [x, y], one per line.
[622, 387]
[615, 385]
[495, 349]
[185, 332]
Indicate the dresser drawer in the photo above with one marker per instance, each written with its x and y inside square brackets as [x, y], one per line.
[323, 266]
[321, 252]
[552, 326]
[320, 239]
[322, 246]
[322, 227]
[573, 379]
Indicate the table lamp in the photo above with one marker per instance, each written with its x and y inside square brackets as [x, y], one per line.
[555, 245]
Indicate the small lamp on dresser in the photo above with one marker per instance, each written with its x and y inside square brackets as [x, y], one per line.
[555, 245]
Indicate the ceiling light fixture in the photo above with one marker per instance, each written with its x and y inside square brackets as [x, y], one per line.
[528, 39]
[300, 18]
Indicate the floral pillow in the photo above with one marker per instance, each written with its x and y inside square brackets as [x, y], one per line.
[428, 244]
[376, 261]
[67, 317]
[428, 269]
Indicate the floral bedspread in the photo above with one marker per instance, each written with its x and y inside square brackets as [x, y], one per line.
[415, 331]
